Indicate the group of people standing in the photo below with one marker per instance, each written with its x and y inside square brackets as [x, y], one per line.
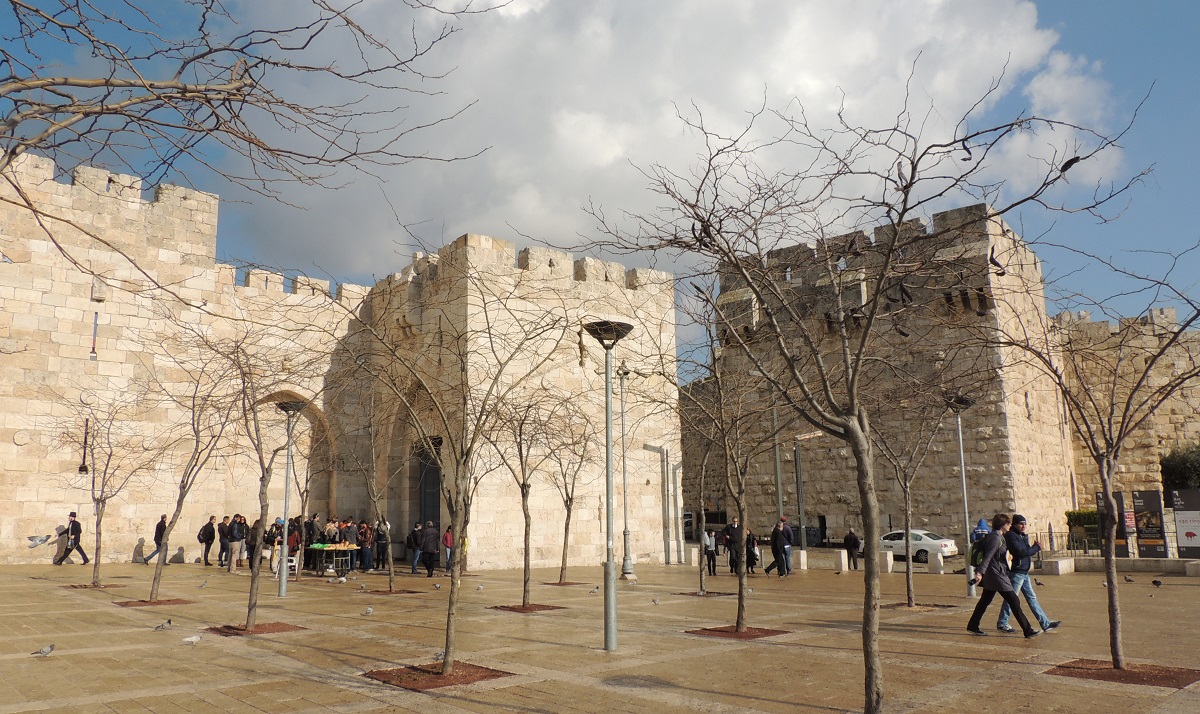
[740, 542]
[424, 543]
[239, 543]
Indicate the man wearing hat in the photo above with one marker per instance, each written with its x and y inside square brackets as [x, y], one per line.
[1022, 557]
[73, 533]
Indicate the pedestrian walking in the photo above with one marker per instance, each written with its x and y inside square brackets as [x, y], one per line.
[74, 533]
[993, 574]
[413, 543]
[448, 544]
[160, 530]
[1022, 554]
[777, 552]
[735, 544]
[710, 550]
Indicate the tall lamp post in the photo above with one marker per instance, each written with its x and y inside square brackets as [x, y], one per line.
[626, 560]
[292, 410]
[607, 333]
[960, 403]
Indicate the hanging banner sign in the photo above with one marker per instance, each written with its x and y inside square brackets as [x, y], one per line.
[1148, 520]
[1186, 503]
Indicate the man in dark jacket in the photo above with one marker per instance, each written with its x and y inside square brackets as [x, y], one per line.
[208, 534]
[778, 541]
[159, 531]
[73, 533]
[993, 574]
[735, 543]
[430, 542]
[1022, 558]
[349, 536]
[852, 544]
[413, 543]
[223, 540]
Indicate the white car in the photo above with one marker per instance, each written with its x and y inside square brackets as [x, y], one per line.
[923, 543]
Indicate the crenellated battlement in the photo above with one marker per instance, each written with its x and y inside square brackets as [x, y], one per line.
[181, 220]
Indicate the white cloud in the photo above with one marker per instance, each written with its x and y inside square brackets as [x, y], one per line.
[570, 94]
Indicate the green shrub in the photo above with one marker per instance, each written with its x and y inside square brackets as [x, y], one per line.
[1181, 468]
[1083, 517]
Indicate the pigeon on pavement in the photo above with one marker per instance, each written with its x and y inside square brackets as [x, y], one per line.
[35, 541]
[1038, 582]
[362, 586]
[203, 584]
[654, 601]
[437, 586]
[43, 652]
[594, 590]
[1129, 579]
[441, 655]
[165, 626]
[1104, 583]
[479, 587]
[369, 611]
[1156, 583]
[838, 573]
[193, 639]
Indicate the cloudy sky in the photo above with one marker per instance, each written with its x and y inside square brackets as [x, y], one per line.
[570, 98]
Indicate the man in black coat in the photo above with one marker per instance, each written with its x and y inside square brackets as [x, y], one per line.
[73, 533]
[993, 574]
[223, 540]
[852, 544]
[208, 534]
[735, 543]
[431, 541]
[159, 531]
[1022, 554]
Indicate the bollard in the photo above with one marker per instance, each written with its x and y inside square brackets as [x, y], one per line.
[936, 565]
[886, 561]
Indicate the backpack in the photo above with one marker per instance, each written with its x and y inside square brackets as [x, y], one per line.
[976, 555]
[200, 534]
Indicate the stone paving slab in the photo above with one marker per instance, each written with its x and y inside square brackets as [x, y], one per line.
[109, 658]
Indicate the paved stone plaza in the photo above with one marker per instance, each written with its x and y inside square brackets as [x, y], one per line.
[109, 658]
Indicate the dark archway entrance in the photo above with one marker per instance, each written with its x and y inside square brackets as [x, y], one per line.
[427, 476]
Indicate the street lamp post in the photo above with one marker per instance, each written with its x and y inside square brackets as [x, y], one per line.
[626, 560]
[292, 410]
[607, 333]
[959, 403]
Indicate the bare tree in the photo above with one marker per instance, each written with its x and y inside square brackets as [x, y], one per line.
[1114, 378]
[451, 360]
[118, 454]
[733, 410]
[569, 459]
[529, 429]
[198, 387]
[804, 289]
[166, 89]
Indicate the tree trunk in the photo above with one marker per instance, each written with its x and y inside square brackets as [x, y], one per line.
[256, 556]
[562, 571]
[98, 508]
[1115, 646]
[458, 522]
[528, 531]
[740, 624]
[908, 556]
[703, 553]
[858, 436]
[165, 550]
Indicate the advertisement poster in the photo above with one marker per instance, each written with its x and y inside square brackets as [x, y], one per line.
[1122, 543]
[1148, 520]
[1187, 522]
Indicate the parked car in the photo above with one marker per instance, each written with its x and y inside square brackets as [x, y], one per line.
[923, 543]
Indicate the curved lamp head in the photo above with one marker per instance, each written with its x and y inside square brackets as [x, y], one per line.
[607, 332]
[291, 408]
[959, 402]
